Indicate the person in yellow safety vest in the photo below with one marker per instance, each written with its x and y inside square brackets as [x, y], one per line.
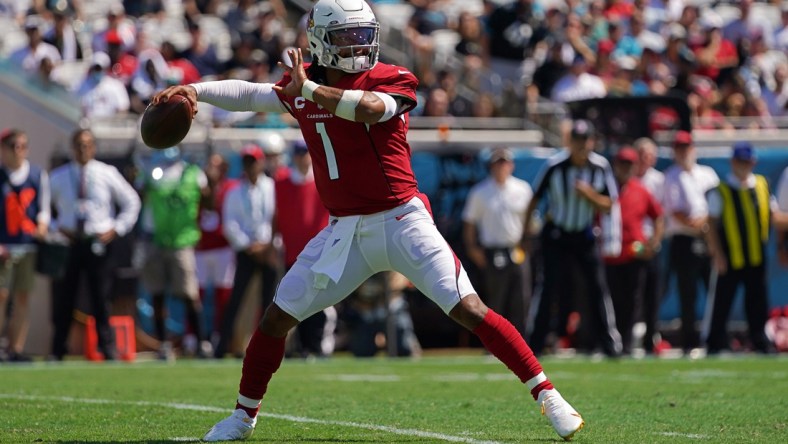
[741, 211]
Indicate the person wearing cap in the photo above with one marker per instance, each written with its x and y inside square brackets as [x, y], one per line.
[740, 217]
[626, 271]
[578, 185]
[172, 191]
[686, 212]
[101, 95]
[249, 225]
[30, 56]
[492, 228]
[24, 220]
[300, 216]
[94, 205]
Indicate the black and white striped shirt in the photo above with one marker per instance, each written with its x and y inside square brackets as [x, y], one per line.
[565, 207]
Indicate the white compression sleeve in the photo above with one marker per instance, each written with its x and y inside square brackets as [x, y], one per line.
[238, 95]
[391, 105]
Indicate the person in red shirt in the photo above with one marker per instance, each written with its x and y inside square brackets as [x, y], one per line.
[353, 114]
[714, 53]
[301, 215]
[626, 272]
[215, 258]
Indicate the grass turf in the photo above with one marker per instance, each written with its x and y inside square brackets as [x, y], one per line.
[469, 399]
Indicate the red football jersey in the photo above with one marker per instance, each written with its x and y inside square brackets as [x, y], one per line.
[211, 220]
[360, 168]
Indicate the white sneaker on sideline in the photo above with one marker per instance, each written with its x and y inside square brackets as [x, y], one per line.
[565, 419]
[237, 426]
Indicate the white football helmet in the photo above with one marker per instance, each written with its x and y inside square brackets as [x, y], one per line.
[343, 34]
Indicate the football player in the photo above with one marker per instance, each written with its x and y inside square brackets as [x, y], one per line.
[352, 111]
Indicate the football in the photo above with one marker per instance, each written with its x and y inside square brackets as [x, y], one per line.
[166, 124]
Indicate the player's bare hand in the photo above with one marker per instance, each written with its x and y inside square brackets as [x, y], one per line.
[187, 91]
[297, 74]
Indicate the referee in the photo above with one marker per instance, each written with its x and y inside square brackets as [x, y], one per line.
[578, 184]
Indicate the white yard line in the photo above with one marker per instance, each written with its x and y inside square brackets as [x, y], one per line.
[684, 435]
[301, 419]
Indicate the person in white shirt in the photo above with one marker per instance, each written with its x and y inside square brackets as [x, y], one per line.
[101, 95]
[493, 222]
[24, 218]
[654, 181]
[687, 211]
[85, 194]
[29, 58]
[248, 225]
[578, 84]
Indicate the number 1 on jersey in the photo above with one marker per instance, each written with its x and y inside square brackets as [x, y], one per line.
[331, 159]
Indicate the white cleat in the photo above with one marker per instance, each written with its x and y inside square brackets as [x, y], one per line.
[565, 419]
[235, 427]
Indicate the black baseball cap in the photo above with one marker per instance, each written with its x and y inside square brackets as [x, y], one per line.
[582, 129]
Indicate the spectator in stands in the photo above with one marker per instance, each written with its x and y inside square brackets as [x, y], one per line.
[686, 210]
[152, 74]
[626, 271]
[492, 229]
[181, 70]
[437, 104]
[567, 238]
[63, 37]
[172, 192]
[746, 24]
[101, 95]
[249, 225]
[85, 195]
[269, 34]
[123, 64]
[116, 22]
[242, 18]
[781, 33]
[201, 53]
[625, 44]
[513, 30]
[470, 31]
[578, 83]
[678, 57]
[24, 219]
[740, 213]
[29, 57]
[654, 181]
[213, 255]
[428, 16]
[300, 216]
[716, 55]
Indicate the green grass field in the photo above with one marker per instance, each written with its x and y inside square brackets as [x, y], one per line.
[468, 399]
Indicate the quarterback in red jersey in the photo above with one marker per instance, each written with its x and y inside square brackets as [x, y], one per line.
[352, 111]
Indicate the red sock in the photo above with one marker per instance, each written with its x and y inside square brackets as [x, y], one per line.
[544, 385]
[264, 354]
[505, 343]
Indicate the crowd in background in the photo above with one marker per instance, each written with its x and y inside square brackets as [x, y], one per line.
[482, 58]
